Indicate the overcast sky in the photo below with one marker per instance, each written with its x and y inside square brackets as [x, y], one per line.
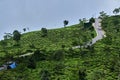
[35, 14]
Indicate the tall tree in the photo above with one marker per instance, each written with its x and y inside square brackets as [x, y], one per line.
[16, 35]
[44, 32]
[92, 20]
[65, 22]
[24, 29]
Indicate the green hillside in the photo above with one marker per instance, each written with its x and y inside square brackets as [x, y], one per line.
[55, 39]
[50, 61]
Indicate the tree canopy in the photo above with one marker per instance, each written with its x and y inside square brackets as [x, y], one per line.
[16, 35]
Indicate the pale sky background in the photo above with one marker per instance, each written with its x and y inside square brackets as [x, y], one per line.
[35, 14]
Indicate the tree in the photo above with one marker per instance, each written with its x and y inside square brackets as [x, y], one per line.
[92, 20]
[39, 55]
[44, 32]
[103, 15]
[87, 25]
[116, 10]
[58, 55]
[16, 35]
[65, 22]
[82, 21]
[82, 74]
[24, 29]
[31, 64]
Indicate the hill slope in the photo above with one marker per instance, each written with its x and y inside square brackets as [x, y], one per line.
[98, 62]
[55, 39]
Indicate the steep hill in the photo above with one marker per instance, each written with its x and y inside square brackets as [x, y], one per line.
[55, 39]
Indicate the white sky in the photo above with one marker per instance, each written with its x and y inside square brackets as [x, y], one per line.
[35, 14]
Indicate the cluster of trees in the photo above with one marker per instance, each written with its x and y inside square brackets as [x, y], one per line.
[89, 25]
[103, 15]
[85, 23]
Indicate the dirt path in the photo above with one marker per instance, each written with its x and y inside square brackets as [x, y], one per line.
[99, 31]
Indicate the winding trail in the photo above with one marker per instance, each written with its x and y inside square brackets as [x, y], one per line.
[99, 31]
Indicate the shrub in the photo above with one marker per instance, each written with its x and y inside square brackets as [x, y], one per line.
[58, 55]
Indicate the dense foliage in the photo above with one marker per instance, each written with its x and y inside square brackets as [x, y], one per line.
[53, 59]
